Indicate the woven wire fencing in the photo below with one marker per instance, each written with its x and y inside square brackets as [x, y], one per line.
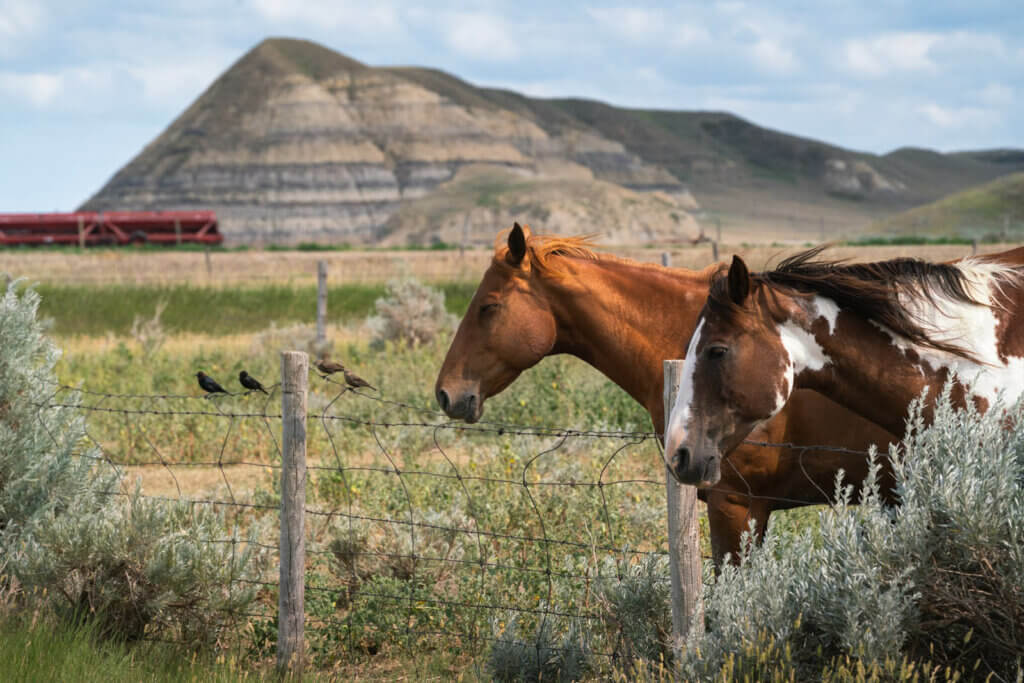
[488, 541]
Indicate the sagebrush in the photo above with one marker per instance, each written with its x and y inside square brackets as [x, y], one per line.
[75, 540]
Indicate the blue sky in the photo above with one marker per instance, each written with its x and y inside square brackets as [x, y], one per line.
[85, 84]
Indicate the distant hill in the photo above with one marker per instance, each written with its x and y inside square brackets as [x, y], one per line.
[296, 142]
[994, 209]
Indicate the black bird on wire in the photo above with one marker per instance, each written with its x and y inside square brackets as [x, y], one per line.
[209, 384]
[250, 382]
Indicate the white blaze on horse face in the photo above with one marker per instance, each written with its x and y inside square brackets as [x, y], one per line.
[679, 420]
[971, 326]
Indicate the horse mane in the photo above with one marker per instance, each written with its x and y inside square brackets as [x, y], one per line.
[542, 247]
[890, 293]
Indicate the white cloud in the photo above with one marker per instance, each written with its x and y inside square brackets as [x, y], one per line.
[996, 94]
[878, 56]
[374, 16]
[172, 82]
[481, 36]
[651, 27]
[958, 117]
[18, 17]
[768, 55]
[39, 89]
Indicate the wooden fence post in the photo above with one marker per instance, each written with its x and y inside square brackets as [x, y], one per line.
[683, 538]
[81, 233]
[714, 255]
[321, 305]
[291, 597]
[666, 259]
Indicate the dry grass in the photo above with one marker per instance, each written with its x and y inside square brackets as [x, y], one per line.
[230, 269]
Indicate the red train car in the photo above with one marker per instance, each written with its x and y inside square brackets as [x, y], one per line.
[109, 228]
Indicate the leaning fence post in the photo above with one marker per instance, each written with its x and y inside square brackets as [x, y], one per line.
[683, 538]
[321, 305]
[291, 599]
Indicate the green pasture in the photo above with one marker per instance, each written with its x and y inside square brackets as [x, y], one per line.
[102, 309]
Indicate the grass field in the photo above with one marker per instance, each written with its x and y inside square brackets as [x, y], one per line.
[259, 268]
[227, 327]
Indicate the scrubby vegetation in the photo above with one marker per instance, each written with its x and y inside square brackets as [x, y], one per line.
[73, 540]
[444, 569]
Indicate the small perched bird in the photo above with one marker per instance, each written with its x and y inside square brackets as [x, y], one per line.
[209, 384]
[250, 382]
[329, 367]
[355, 381]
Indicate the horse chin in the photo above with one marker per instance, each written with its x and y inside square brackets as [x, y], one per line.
[477, 412]
[712, 471]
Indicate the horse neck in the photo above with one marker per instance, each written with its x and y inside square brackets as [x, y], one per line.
[865, 370]
[625, 319]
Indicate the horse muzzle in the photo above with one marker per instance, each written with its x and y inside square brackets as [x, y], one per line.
[695, 469]
[467, 406]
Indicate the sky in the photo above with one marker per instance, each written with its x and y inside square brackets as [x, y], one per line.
[86, 84]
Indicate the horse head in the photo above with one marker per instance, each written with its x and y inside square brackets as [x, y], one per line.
[736, 375]
[508, 328]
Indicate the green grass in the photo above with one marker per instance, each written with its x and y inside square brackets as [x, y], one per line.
[38, 650]
[83, 310]
[905, 240]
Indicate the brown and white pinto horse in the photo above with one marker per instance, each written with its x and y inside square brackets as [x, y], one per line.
[543, 296]
[871, 336]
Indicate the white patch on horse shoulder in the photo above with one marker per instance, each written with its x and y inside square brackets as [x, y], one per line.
[680, 417]
[805, 353]
[973, 326]
[827, 309]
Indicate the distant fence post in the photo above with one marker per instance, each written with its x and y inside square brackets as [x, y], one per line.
[683, 538]
[81, 233]
[291, 599]
[321, 305]
[666, 259]
[714, 253]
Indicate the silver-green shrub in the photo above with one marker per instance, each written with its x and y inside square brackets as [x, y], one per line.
[135, 566]
[938, 578]
[45, 465]
[410, 313]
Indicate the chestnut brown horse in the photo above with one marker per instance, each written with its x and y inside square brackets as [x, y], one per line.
[871, 336]
[543, 296]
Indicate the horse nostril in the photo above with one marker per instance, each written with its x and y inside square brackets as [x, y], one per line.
[681, 458]
[443, 400]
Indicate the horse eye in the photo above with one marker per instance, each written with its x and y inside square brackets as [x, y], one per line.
[716, 352]
[488, 308]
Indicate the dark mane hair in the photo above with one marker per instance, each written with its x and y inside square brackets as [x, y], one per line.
[879, 291]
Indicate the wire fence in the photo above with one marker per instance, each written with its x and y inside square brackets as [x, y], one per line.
[420, 533]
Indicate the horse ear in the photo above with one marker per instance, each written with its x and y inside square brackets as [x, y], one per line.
[739, 281]
[516, 245]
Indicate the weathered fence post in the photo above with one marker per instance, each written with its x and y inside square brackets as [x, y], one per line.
[81, 233]
[666, 259]
[291, 599]
[683, 538]
[714, 252]
[321, 305]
